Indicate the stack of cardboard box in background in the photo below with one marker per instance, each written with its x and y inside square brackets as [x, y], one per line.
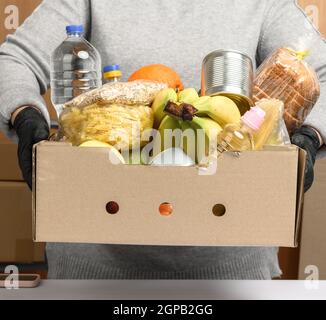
[313, 238]
[16, 244]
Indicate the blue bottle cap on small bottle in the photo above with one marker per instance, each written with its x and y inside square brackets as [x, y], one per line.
[112, 67]
[112, 71]
[75, 29]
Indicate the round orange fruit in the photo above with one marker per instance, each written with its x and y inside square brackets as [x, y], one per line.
[160, 73]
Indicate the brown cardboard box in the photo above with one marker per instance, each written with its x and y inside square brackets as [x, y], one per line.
[313, 238]
[3, 138]
[16, 242]
[259, 190]
[9, 168]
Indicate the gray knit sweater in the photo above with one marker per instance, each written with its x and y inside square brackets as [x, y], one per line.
[178, 33]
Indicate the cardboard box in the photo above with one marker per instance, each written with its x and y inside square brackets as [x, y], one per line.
[261, 191]
[313, 238]
[3, 138]
[9, 168]
[16, 241]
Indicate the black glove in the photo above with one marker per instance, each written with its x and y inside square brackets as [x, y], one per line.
[307, 139]
[31, 127]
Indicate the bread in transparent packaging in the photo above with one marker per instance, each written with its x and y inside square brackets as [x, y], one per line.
[287, 77]
[139, 92]
[117, 114]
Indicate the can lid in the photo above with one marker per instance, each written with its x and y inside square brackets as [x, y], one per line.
[111, 67]
[74, 29]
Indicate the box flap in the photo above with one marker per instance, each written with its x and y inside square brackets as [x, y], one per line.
[302, 159]
[34, 191]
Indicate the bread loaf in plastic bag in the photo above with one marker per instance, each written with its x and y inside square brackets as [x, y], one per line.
[287, 77]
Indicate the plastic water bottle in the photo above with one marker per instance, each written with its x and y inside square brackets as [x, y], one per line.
[75, 68]
[112, 73]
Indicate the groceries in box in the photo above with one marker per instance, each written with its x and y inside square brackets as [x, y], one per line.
[170, 136]
[149, 115]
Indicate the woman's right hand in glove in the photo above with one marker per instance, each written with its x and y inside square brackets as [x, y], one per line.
[31, 128]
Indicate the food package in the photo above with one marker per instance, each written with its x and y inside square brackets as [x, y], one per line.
[273, 131]
[116, 113]
[139, 92]
[287, 77]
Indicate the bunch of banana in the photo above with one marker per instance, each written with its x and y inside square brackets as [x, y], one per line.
[195, 121]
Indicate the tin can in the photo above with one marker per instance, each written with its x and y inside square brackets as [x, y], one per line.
[228, 73]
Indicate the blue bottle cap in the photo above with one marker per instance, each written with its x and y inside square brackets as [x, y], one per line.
[74, 29]
[112, 67]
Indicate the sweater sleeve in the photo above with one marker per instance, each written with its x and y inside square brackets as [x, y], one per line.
[25, 56]
[287, 25]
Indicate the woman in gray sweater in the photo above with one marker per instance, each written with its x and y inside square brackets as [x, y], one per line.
[136, 33]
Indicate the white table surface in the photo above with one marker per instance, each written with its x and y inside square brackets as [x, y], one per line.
[170, 290]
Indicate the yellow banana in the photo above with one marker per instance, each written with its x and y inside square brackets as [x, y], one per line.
[221, 109]
[188, 95]
[207, 131]
[160, 102]
[189, 140]
[169, 135]
[208, 125]
[201, 102]
[199, 137]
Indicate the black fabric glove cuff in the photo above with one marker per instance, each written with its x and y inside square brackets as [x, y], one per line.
[307, 139]
[28, 114]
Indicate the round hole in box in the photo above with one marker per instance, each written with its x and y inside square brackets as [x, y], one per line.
[166, 209]
[219, 210]
[112, 207]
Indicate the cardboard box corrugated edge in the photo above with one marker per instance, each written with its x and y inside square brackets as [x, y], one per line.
[302, 159]
[33, 192]
[299, 196]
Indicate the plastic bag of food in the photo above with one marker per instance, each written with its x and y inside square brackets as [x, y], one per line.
[116, 113]
[287, 77]
[273, 131]
[139, 92]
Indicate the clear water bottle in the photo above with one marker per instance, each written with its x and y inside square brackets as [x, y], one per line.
[75, 68]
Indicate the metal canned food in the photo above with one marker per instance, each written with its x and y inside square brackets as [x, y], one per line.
[229, 73]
